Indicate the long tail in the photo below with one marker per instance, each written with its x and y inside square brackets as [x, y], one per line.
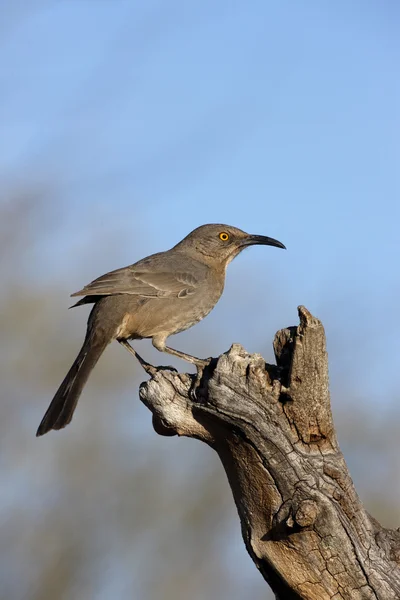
[62, 407]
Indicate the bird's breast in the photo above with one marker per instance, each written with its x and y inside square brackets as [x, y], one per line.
[172, 315]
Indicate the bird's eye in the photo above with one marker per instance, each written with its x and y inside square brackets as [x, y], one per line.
[224, 236]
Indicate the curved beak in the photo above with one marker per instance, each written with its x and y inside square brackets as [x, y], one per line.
[262, 240]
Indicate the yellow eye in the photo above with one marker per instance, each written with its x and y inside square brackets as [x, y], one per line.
[224, 236]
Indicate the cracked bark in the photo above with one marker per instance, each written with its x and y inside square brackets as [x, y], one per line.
[271, 425]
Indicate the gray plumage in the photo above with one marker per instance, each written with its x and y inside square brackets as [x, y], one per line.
[158, 296]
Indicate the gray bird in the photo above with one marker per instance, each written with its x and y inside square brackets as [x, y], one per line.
[156, 297]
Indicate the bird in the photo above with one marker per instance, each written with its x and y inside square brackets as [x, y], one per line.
[156, 297]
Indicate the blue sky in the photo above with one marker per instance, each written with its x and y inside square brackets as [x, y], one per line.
[278, 117]
[143, 120]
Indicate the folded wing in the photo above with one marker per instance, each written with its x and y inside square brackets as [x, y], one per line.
[147, 284]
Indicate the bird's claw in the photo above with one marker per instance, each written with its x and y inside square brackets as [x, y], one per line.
[152, 370]
[167, 368]
[193, 395]
[200, 366]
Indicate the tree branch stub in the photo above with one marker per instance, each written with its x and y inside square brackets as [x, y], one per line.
[272, 427]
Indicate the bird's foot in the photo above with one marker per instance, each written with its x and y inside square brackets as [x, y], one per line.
[201, 365]
[152, 370]
[166, 368]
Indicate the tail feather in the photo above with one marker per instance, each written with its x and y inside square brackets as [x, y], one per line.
[63, 405]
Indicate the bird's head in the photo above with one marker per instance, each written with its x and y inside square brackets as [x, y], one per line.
[221, 243]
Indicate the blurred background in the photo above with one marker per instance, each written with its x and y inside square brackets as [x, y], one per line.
[123, 126]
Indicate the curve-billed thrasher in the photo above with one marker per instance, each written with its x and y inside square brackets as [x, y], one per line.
[156, 297]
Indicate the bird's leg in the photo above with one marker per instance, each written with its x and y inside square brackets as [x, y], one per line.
[146, 366]
[200, 363]
[150, 369]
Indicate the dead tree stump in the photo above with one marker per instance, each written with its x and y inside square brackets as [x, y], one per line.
[302, 521]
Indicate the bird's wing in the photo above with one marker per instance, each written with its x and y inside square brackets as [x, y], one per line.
[141, 282]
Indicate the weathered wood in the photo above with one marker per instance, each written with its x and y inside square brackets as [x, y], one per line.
[271, 425]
